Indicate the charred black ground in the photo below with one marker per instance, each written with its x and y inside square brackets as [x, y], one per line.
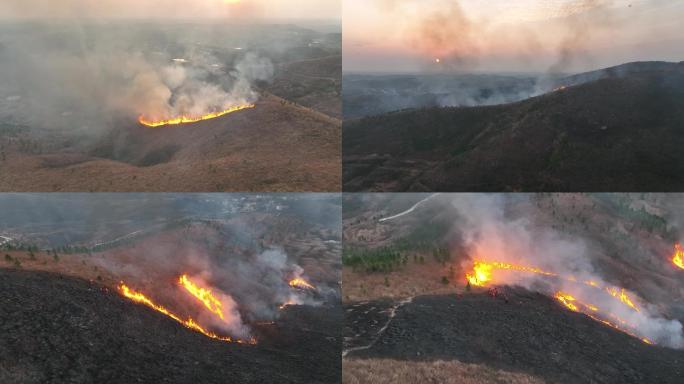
[612, 130]
[528, 333]
[57, 329]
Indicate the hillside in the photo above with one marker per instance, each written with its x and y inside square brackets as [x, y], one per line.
[58, 329]
[619, 132]
[527, 333]
[408, 303]
[276, 146]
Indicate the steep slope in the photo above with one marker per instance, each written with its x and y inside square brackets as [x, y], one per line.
[616, 133]
[57, 329]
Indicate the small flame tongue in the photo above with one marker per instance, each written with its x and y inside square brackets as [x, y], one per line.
[678, 256]
[301, 284]
[213, 304]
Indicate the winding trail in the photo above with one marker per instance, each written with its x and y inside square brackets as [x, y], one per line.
[406, 212]
[392, 314]
[5, 239]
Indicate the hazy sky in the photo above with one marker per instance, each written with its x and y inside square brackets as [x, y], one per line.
[278, 9]
[509, 35]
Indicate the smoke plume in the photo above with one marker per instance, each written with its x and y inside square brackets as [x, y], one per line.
[489, 235]
[90, 78]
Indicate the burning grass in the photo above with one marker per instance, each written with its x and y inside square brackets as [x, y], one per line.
[192, 119]
[483, 274]
[204, 295]
[300, 283]
[200, 293]
[678, 256]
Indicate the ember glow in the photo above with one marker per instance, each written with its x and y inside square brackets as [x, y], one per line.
[191, 119]
[289, 302]
[204, 295]
[301, 284]
[139, 297]
[678, 257]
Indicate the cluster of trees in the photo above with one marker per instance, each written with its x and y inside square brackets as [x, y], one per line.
[33, 249]
[641, 217]
[441, 254]
[14, 246]
[385, 259]
[14, 261]
[388, 259]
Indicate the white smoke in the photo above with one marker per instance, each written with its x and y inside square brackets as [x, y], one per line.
[232, 321]
[91, 85]
[489, 235]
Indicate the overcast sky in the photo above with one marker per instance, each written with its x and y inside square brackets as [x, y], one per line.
[508, 35]
[271, 9]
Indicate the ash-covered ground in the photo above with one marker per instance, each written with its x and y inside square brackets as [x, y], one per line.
[408, 306]
[58, 329]
[518, 331]
[66, 258]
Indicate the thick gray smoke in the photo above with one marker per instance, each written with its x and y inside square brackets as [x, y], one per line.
[256, 286]
[466, 46]
[88, 77]
[489, 235]
[149, 240]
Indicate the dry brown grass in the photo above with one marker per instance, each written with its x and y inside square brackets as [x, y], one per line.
[380, 371]
[412, 280]
[77, 265]
[276, 147]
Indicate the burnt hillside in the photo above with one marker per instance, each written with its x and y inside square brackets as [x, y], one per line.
[56, 329]
[529, 333]
[621, 131]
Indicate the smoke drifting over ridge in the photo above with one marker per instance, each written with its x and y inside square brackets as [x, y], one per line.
[245, 259]
[461, 53]
[489, 236]
[501, 36]
[88, 77]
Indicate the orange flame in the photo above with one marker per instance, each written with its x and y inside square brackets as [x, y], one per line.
[190, 119]
[678, 257]
[576, 306]
[482, 274]
[138, 297]
[301, 284]
[622, 296]
[567, 300]
[482, 271]
[204, 295]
